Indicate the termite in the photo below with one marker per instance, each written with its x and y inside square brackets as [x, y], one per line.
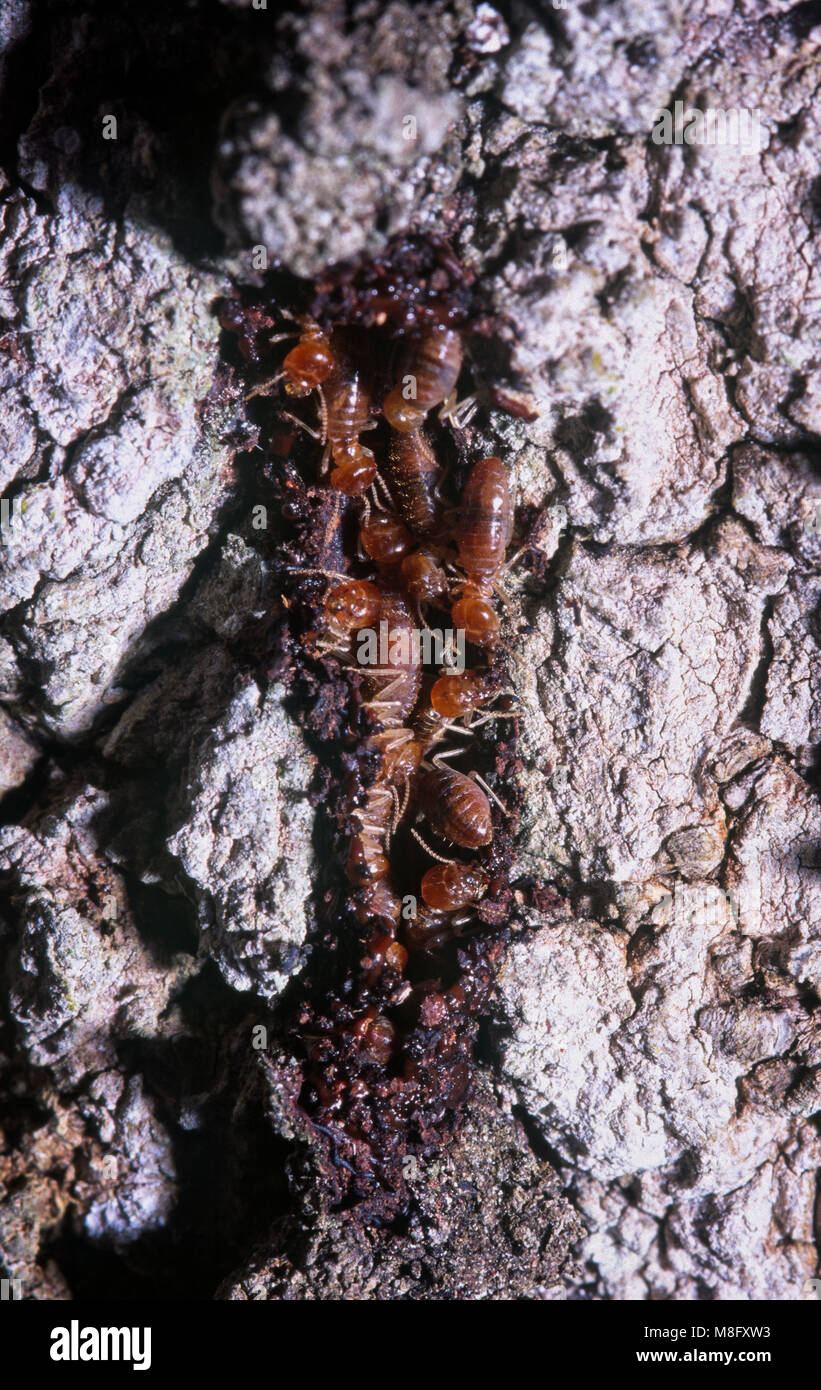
[431, 367]
[429, 930]
[349, 605]
[485, 525]
[306, 366]
[322, 364]
[446, 887]
[455, 695]
[455, 806]
[393, 689]
[345, 415]
[310, 363]
[375, 1034]
[447, 891]
[422, 576]
[367, 860]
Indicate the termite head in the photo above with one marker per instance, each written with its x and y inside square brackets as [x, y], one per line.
[455, 695]
[423, 578]
[446, 887]
[355, 470]
[385, 539]
[474, 612]
[307, 365]
[353, 604]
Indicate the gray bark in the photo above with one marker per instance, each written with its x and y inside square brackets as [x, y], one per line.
[663, 309]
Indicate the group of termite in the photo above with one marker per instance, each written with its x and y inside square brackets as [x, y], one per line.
[423, 552]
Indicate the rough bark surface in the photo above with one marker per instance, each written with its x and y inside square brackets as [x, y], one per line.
[657, 1036]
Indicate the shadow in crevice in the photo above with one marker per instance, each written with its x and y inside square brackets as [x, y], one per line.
[167, 69]
[230, 1168]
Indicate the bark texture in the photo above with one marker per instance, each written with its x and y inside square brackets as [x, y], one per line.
[657, 1035]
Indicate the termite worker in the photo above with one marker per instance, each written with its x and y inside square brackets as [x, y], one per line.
[346, 405]
[485, 526]
[430, 368]
[323, 364]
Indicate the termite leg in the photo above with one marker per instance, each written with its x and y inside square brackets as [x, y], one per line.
[380, 704]
[515, 558]
[480, 781]
[495, 714]
[437, 491]
[326, 574]
[405, 799]
[439, 758]
[302, 425]
[459, 413]
[332, 524]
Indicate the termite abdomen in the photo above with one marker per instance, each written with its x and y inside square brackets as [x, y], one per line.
[385, 539]
[365, 863]
[485, 520]
[412, 473]
[393, 688]
[455, 807]
[431, 369]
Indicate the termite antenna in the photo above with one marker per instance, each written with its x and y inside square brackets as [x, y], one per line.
[323, 415]
[432, 852]
[326, 574]
[264, 387]
[380, 482]
[374, 496]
